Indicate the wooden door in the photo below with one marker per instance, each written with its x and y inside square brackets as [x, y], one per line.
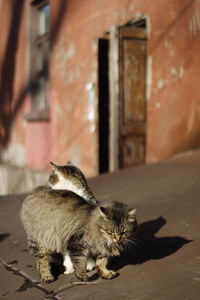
[132, 100]
[129, 80]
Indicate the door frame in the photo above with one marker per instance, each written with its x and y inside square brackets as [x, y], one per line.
[114, 99]
[115, 93]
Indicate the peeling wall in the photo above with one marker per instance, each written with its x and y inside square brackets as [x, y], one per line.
[173, 110]
[173, 104]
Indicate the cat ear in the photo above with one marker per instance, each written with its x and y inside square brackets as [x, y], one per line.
[132, 214]
[69, 163]
[54, 165]
[105, 211]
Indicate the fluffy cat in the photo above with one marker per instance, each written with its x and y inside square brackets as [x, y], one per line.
[71, 178]
[60, 221]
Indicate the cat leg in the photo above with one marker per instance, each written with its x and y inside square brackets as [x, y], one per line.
[43, 264]
[91, 264]
[102, 270]
[69, 269]
[33, 247]
[79, 261]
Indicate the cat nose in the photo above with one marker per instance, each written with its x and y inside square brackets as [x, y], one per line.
[118, 237]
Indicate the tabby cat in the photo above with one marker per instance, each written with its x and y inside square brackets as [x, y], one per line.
[71, 178]
[57, 221]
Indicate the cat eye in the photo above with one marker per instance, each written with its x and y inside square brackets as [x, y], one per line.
[106, 231]
[123, 232]
[110, 232]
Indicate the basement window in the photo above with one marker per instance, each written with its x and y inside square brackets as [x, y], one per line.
[39, 60]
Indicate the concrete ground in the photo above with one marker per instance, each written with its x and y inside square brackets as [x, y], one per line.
[165, 264]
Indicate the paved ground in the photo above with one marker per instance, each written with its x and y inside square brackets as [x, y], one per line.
[165, 266]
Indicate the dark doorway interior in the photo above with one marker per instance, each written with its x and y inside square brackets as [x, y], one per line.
[103, 104]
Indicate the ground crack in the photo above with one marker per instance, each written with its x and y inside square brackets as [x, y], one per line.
[28, 282]
[31, 283]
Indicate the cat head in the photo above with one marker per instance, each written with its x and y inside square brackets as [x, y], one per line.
[70, 177]
[117, 223]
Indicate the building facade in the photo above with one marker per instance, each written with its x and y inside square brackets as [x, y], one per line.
[105, 84]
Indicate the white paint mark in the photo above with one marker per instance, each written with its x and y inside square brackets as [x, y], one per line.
[149, 77]
[166, 43]
[177, 73]
[194, 24]
[181, 72]
[63, 55]
[160, 84]
[91, 105]
[70, 52]
[173, 71]
[158, 105]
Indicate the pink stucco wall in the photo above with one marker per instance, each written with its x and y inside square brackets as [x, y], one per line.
[173, 102]
[174, 105]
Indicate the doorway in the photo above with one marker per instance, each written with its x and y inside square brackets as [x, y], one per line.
[103, 104]
[122, 97]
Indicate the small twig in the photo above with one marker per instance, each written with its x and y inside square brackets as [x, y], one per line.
[34, 283]
[76, 283]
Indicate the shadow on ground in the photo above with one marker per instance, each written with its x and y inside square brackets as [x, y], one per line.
[147, 246]
[4, 236]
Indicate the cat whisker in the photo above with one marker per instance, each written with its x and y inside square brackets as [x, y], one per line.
[128, 248]
[137, 240]
[131, 249]
[134, 242]
[132, 245]
[125, 247]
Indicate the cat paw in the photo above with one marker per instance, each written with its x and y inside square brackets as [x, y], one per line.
[109, 274]
[69, 270]
[48, 278]
[91, 264]
[82, 276]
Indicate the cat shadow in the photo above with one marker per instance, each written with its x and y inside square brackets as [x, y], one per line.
[147, 246]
